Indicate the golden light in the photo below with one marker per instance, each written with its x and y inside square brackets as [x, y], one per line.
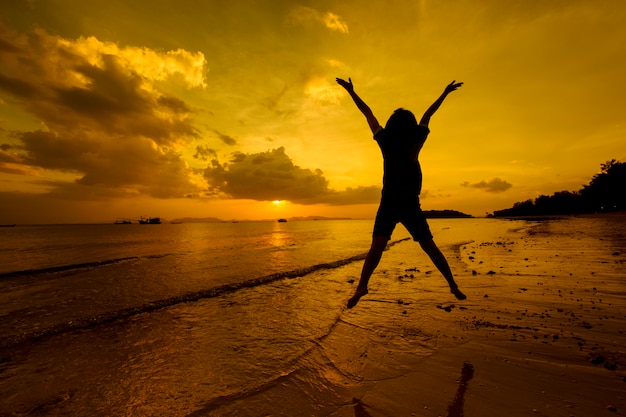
[278, 202]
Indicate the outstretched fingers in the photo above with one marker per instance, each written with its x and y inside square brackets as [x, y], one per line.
[453, 86]
[345, 84]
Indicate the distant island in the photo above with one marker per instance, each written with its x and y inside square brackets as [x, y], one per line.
[445, 214]
[431, 214]
[606, 192]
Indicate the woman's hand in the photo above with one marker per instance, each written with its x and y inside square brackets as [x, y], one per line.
[452, 87]
[346, 84]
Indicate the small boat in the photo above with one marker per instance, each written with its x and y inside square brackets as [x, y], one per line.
[122, 221]
[282, 220]
[150, 220]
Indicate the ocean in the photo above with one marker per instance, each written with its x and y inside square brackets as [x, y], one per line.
[199, 319]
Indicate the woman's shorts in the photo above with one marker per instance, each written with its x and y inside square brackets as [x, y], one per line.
[401, 210]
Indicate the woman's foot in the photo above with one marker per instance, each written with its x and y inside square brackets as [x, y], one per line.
[360, 292]
[457, 293]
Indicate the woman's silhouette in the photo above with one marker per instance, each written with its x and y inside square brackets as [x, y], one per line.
[400, 141]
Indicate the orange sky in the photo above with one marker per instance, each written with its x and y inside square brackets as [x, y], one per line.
[216, 109]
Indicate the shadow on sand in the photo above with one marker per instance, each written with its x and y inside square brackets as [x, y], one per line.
[456, 406]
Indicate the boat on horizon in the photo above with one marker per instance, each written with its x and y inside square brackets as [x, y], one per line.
[150, 220]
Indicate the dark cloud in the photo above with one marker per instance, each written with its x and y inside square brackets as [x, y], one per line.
[203, 153]
[176, 105]
[495, 185]
[433, 194]
[228, 140]
[272, 175]
[104, 118]
[16, 87]
[114, 101]
[267, 176]
[128, 167]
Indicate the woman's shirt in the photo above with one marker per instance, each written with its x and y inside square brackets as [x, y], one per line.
[402, 173]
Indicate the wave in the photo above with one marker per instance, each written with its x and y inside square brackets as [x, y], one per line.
[88, 322]
[64, 268]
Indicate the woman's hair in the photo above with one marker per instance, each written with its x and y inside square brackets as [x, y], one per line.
[402, 125]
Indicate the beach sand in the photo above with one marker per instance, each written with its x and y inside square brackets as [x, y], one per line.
[541, 334]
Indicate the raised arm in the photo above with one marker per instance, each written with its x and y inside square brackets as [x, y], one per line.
[433, 107]
[367, 112]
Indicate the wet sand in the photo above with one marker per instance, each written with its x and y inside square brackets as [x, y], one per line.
[542, 331]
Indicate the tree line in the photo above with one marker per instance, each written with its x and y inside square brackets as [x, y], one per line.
[606, 192]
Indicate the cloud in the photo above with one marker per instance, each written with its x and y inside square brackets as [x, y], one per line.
[272, 175]
[300, 15]
[147, 63]
[334, 22]
[495, 185]
[203, 153]
[134, 166]
[323, 91]
[433, 194]
[104, 119]
[228, 140]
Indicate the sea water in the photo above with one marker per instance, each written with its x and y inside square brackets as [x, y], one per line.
[57, 277]
[209, 318]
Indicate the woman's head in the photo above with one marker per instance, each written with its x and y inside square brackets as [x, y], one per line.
[402, 124]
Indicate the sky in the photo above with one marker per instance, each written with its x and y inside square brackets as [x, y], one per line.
[229, 109]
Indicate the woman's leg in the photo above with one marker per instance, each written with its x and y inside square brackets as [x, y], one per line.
[441, 263]
[379, 243]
